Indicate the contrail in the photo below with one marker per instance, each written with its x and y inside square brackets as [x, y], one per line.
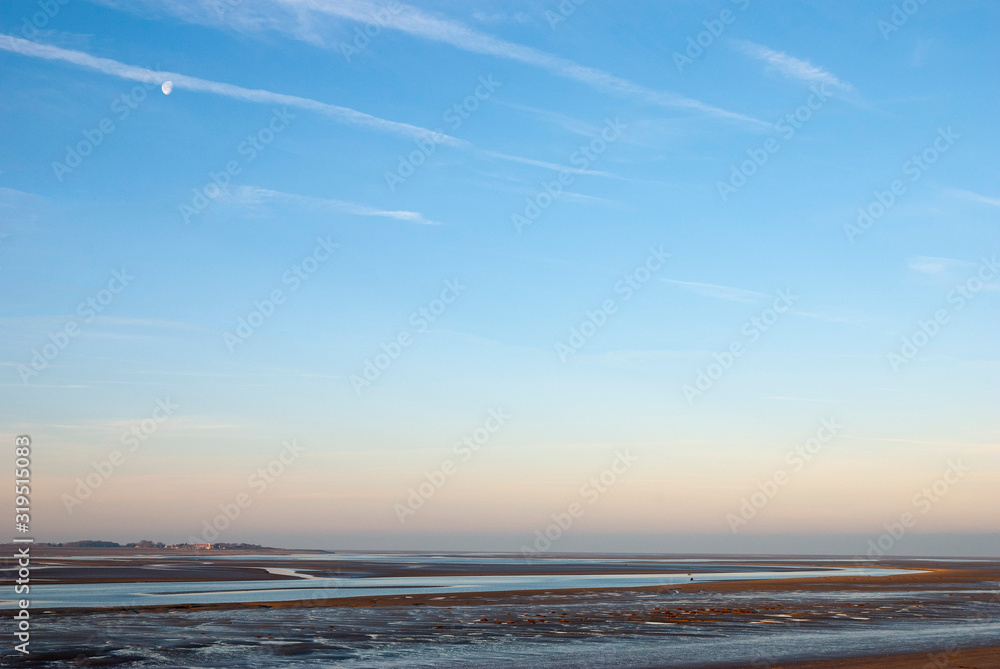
[182, 81]
[411, 20]
[131, 72]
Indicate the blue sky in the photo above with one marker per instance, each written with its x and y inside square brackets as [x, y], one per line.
[309, 130]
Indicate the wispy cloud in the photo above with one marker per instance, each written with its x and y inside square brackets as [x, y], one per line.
[718, 292]
[568, 123]
[415, 22]
[829, 318]
[341, 114]
[297, 18]
[182, 81]
[933, 265]
[790, 66]
[19, 210]
[569, 196]
[975, 197]
[947, 270]
[252, 195]
[590, 199]
[503, 17]
[550, 166]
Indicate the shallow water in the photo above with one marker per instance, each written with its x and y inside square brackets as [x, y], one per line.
[605, 629]
[95, 595]
[603, 622]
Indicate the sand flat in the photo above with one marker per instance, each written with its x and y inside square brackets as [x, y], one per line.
[888, 621]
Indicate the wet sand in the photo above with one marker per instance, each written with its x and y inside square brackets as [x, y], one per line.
[950, 599]
[66, 566]
[924, 576]
[982, 658]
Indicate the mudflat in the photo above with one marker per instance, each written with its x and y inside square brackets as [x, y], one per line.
[937, 613]
[980, 658]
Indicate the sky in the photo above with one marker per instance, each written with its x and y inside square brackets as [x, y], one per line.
[507, 276]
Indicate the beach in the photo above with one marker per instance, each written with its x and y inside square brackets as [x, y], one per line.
[922, 610]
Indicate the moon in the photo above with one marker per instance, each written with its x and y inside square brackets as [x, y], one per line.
[167, 87]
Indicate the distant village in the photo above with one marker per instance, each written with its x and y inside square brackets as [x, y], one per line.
[145, 543]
